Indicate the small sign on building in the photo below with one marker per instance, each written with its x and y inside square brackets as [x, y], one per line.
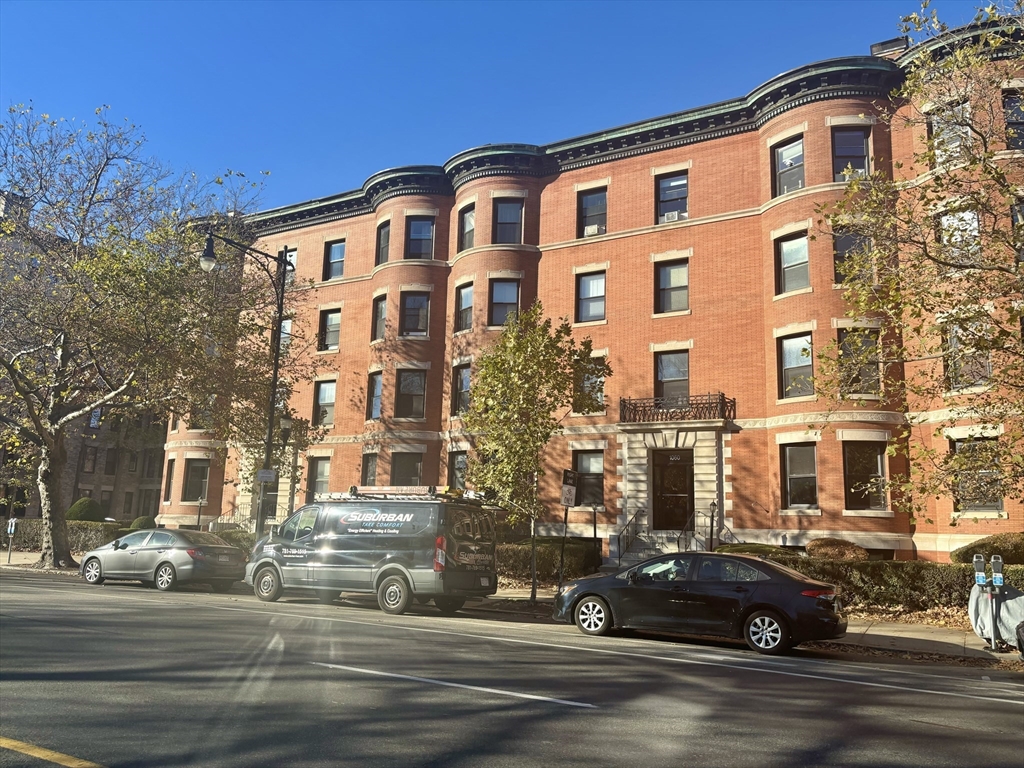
[266, 475]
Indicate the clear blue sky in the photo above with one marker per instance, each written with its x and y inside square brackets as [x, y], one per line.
[325, 94]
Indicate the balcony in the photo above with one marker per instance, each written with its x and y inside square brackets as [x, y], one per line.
[713, 406]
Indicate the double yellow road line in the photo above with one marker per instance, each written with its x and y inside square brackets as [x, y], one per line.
[46, 754]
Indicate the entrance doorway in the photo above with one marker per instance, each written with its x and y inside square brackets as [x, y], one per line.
[673, 490]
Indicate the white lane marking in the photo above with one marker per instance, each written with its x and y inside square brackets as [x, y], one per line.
[535, 629]
[498, 691]
[258, 680]
[380, 623]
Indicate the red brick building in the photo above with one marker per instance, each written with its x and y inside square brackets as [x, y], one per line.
[683, 246]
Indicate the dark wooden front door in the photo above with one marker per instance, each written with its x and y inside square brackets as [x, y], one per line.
[673, 490]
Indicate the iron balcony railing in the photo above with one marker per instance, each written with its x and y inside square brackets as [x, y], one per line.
[694, 408]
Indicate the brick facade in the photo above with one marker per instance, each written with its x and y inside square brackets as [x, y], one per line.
[731, 329]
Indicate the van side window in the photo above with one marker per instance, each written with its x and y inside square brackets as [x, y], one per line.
[301, 524]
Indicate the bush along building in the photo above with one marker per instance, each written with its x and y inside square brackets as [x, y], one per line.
[689, 249]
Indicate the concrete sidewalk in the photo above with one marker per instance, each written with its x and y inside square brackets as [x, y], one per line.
[882, 635]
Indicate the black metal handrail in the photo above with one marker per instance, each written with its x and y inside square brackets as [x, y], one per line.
[687, 531]
[627, 535]
[695, 408]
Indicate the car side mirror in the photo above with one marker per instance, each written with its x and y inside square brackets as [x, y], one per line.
[633, 577]
[273, 531]
[116, 543]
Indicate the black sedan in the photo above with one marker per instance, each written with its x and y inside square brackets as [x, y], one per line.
[166, 558]
[770, 606]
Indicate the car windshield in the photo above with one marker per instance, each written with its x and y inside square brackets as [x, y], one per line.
[200, 538]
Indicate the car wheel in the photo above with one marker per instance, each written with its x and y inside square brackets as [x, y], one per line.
[92, 572]
[592, 616]
[267, 585]
[449, 605]
[166, 578]
[326, 596]
[393, 595]
[222, 586]
[766, 633]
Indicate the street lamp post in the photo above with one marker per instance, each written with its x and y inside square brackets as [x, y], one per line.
[208, 261]
[711, 529]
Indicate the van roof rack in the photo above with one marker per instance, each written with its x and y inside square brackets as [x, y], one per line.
[404, 493]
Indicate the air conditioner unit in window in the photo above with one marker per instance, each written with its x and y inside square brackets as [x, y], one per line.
[672, 216]
[593, 229]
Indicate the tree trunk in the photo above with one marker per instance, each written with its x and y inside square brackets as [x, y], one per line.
[56, 549]
[533, 560]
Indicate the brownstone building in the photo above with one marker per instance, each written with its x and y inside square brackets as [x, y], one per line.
[684, 247]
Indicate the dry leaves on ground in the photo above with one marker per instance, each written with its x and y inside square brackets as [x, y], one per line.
[950, 618]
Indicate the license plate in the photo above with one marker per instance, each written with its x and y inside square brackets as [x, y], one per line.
[223, 558]
[484, 581]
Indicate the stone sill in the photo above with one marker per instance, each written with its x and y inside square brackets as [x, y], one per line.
[868, 513]
[800, 399]
[678, 313]
[797, 292]
[800, 512]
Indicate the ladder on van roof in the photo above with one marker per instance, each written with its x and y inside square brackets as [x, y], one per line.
[403, 493]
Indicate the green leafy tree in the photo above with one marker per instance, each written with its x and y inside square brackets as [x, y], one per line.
[102, 302]
[533, 376]
[936, 271]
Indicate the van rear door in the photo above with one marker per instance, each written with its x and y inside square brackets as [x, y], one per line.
[469, 548]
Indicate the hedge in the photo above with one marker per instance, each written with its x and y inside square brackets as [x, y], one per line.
[86, 509]
[238, 537]
[82, 535]
[580, 559]
[835, 549]
[142, 523]
[1009, 546]
[767, 550]
[913, 584]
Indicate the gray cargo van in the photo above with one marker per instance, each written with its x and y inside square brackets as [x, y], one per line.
[402, 548]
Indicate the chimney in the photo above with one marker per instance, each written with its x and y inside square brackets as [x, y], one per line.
[890, 49]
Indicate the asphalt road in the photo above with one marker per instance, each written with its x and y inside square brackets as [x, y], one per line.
[120, 675]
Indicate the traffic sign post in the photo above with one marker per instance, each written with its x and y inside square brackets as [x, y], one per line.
[570, 480]
[11, 526]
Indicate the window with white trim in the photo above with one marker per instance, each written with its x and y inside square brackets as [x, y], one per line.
[799, 476]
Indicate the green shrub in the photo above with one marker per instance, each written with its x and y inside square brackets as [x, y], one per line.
[83, 535]
[580, 559]
[238, 537]
[1009, 546]
[142, 523]
[85, 509]
[765, 550]
[835, 549]
[914, 584]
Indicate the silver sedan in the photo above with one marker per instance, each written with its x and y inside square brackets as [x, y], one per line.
[166, 558]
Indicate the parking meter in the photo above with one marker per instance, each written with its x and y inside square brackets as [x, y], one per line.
[979, 571]
[997, 570]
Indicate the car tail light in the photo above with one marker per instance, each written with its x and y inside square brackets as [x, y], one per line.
[827, 594]
[196, 554]
[439, 558]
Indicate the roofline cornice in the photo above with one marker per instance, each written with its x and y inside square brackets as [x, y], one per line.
[854, 76]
